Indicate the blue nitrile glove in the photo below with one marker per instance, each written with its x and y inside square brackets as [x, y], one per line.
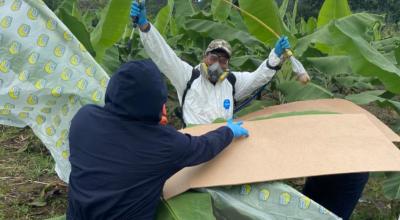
[281, 46]
[237, 129]
[139, 11]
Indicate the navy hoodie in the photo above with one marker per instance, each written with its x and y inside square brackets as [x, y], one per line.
[121, 156]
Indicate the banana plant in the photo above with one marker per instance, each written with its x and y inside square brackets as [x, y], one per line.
[331, 10]
[114, 18]
[341, 48]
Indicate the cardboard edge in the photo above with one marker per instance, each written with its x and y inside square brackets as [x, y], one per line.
[186, 183]
[389, 133]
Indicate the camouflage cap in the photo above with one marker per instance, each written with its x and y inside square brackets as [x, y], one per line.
[220, 44]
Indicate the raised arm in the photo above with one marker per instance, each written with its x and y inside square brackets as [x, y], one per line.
[247, 82]
[176, 70]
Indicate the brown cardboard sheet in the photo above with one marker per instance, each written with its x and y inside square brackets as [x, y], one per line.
[331, 105]
[292, 147]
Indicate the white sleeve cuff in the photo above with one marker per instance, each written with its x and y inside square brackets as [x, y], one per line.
[273, 59]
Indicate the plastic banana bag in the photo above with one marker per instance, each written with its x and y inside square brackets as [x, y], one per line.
[46, 75]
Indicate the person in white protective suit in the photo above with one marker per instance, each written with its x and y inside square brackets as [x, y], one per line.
[207, 92]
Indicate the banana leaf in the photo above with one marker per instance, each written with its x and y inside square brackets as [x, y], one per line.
[190, 205]
[183, 9]
[333, 9]
[220, 9]
[245, 63]
[111, 60]
[266, 201]
[283, 8]
[67, 5]
[290, 114]
[46, 76]
[164, 17]
[220, 31]
[63, 217]
[295, 91]
[292, 19]
[237, 20]
[332, 65]
[267, 11]
[114, 19]
[365, 98]
[390, 48]
[77, 28]
[391, 186]
[311, 25]
[349, 36]
[256, 105]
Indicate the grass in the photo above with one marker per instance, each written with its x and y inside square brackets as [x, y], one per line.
[373, 205]
[30, 189]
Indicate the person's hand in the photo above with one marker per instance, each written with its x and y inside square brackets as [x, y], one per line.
[304, 78]
[237, 129]
[139, 11]
[281, 45]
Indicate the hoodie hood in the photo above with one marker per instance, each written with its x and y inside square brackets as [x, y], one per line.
[137, 92]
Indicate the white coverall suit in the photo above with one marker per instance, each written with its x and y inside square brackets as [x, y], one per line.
[204, 102]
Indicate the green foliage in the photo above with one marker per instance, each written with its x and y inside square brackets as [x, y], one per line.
[190, 205]
[295, 91]
[111, 61]
[291, 114]
[220, 9]
[389, 7]
[237, 20]
[246, 62]
[53, 4]
[218, 121]
[163, 17]
[390, 48]
[331, 65]
[255, 106]
[189, 32]
[374, 96]
[77, 28]
[283, 8]
[311, 8]
[64, 217]
[348, 55]
[397, 54]
[335, 74]
[350, 36]
[311, 25]
[183, 8]
[340, 52]
[366, 97]
[292, 18]
[68, 7]
[267, 11]
[333, 9]
[391, 186]
[113, 20]
[212, 29]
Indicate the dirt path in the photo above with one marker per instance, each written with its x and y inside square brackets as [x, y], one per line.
[29, 188]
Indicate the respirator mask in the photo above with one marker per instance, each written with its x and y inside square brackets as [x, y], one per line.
[215, 73]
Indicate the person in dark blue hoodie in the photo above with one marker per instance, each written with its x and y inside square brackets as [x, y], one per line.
[121, 155]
